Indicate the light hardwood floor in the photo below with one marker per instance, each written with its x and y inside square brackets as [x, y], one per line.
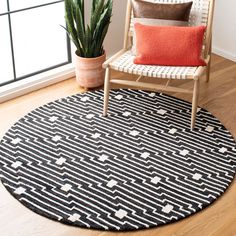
[219, 97]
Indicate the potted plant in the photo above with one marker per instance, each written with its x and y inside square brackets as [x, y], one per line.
[88, 40]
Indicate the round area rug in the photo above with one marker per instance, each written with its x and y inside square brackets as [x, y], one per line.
[140, 167]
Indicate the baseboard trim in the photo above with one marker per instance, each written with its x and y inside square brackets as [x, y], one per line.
[224, 54]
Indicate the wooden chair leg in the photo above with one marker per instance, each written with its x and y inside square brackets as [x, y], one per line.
[208, 71]
[106, 91]
[195, 102]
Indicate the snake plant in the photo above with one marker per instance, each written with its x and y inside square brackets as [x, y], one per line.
[88, 39]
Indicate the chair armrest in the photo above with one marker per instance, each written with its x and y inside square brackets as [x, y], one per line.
[108, 61]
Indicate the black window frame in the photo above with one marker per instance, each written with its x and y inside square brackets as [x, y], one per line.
[15, 78]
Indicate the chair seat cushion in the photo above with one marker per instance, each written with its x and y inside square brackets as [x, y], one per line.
[169, 45]
[125, 63]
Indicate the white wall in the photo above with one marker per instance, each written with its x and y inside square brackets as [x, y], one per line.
[224, 29]
[114, 38]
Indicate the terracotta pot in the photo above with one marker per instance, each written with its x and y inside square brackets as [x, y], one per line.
[89, 71]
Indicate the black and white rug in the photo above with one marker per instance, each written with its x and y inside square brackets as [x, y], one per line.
[140, 167]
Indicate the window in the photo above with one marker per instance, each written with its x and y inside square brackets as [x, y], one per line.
[31, 38]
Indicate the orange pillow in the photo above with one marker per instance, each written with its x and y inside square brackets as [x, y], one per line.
[169, 45]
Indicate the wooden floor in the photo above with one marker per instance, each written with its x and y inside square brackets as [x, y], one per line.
[219, 97]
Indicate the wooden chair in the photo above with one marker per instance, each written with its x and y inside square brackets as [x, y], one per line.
[201, 14]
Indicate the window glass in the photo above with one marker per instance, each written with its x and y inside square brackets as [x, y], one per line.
[6, 68]
[21, 4]
[39, 40]
[3, 6]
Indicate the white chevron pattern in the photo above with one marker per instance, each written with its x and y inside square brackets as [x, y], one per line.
[140, 167]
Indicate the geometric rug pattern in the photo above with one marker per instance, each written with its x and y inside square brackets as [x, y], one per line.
[138, 168]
